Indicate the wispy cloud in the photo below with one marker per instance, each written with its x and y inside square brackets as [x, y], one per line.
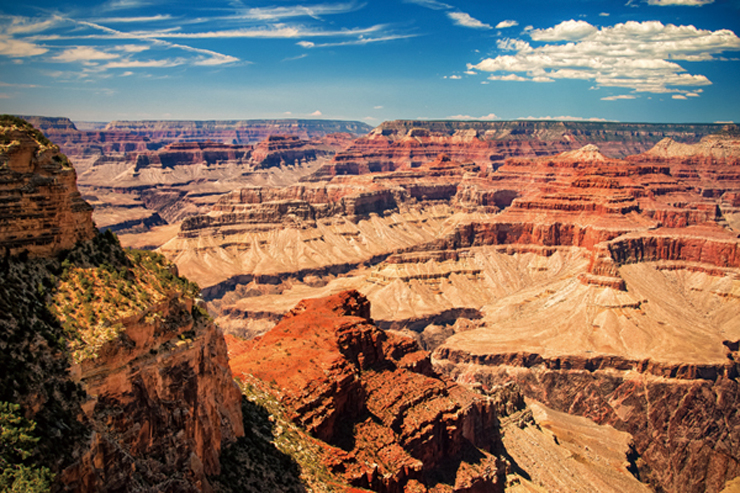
[83, 53]
[465, 20]
[130, 20]
[354, 42]
[487, 117]
[642, 56]
[314, 11]
[689, 3]
[565, 118]
[431, 4]
[85, 41]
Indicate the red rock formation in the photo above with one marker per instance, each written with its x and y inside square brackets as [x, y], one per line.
[41, 210]
[394, 424]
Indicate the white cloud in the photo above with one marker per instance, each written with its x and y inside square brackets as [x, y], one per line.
[621, 96]
[514, 77]
[123, 20]
[604, 14]
[689, 3]
[456, 77]
[357, 42]
[377, 107]
[463, 19]
[17, 48]
[83, 54]
[505, 24]
[278, 13]
[641, 56]
[489, 116]
[316, 113]
[565, 31]
[679, 96]
[173, 62]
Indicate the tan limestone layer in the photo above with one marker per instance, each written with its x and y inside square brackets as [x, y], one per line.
[561, 453]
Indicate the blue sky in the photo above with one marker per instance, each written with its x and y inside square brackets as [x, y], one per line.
[628, 60]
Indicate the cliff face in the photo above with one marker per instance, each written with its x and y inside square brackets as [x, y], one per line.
[161, 402]
[105, 349]
[41, 210]
[407, 144]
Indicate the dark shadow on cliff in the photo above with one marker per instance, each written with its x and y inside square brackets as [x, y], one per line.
[253, 463]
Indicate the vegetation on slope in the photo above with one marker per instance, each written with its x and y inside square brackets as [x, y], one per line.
[18, 471]
[100, 285]
[54, 311]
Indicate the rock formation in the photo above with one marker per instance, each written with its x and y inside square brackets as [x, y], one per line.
[41, 211]
[141, 175]
[106, 350]
[407, 143]
[620, 273]
[394, 424]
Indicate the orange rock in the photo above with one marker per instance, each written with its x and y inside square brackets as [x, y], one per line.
[373, 395]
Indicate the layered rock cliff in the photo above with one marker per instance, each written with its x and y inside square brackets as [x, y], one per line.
[41, 211]
[408, 143]
[141, 175]
[106, 350]
[621, 273]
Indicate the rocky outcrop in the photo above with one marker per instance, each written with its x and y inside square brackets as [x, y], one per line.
[289, 150]
[106, 349]
[393, 423]
[161, 402]
[235, 131]
[41, 211]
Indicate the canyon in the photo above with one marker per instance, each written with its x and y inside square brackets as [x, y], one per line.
[621, 273]
[433, 306]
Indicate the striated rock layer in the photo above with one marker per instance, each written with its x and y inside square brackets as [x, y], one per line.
[41, 211]
[620, 273]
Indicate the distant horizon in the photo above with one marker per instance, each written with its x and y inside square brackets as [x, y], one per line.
[662, 61]
[444, 120]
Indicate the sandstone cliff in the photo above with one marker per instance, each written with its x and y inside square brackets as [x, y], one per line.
[106, 350]
[619, 271]
[41, 211]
